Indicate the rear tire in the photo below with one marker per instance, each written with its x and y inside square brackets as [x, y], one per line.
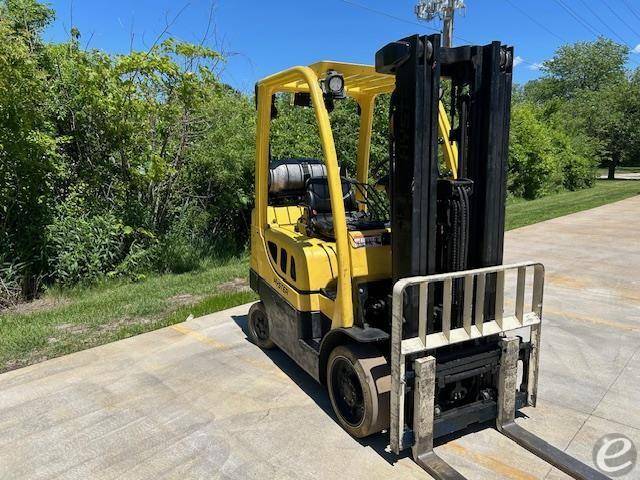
[258, 325]
[359, 384]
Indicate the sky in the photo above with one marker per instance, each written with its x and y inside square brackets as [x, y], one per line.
[262, 37]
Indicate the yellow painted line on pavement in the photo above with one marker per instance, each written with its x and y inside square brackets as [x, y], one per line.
[585, 318]
[263, 364]
[200, 337]
[587, 282]
[490, 462]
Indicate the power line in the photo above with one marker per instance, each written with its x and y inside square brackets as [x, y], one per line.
[582, 22]
[595, 14]
[578, 18]
[606, 25]
[400, 19]
[631, 9]
[588, 25]
[388, 15]
[612, 30]
[541, 25]
[404, 20]
[622, 20]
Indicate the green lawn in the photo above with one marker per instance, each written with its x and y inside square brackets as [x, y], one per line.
[72, 320]
[67, 321]
[526, 212]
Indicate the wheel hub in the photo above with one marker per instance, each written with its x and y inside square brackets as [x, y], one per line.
[347, 392]
[261, 326]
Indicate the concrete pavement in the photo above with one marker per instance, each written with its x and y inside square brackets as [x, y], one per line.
[197, 400]
[623, 176]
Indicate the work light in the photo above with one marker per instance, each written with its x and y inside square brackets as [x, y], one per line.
[334, 85]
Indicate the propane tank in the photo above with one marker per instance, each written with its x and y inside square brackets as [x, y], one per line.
[293, 176]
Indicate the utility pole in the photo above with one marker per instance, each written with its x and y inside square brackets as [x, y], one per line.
[444, 10]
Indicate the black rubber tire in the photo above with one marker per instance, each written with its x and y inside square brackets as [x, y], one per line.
[373, 375]
[258, 326]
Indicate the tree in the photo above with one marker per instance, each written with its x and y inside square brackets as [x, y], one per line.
[585, 66]
[534, 167]
[294, 133]
[608, 118]
[28, 144]
[633, 107]
[587, 91]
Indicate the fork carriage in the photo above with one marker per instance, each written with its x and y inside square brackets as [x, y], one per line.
[481, 316]
[479, 296]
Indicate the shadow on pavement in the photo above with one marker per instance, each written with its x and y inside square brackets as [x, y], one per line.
[318, 394]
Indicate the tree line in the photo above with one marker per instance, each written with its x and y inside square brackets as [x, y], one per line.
[119, 165]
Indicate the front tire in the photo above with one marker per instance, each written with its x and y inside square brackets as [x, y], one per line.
[258, 325]
[359, 384]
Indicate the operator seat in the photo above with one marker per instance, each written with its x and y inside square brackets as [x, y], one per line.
[318, 214]
[318, 201]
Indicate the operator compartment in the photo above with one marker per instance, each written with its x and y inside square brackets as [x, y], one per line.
[301, 218]
[303, 183]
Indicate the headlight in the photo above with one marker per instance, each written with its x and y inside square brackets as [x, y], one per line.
[334, 84]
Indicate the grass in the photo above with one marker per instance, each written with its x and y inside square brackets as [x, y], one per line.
[526, 212]
[67, 321]
[71, 320]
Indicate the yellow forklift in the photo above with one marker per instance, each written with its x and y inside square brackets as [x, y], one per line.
[391, 291]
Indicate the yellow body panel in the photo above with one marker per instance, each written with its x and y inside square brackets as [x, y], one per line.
[315, 259]
[308, 80]
[325, 271]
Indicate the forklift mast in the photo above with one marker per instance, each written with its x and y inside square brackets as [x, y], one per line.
[455, 360]
[414, 153]
[451, 224]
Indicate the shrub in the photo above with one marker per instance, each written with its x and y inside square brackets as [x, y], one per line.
[11, 275]
[177, 254]
[534, 170]
[577, 160]
[141, 255]
[82, 247]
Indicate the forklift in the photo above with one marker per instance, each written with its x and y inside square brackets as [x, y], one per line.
[391, 291]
